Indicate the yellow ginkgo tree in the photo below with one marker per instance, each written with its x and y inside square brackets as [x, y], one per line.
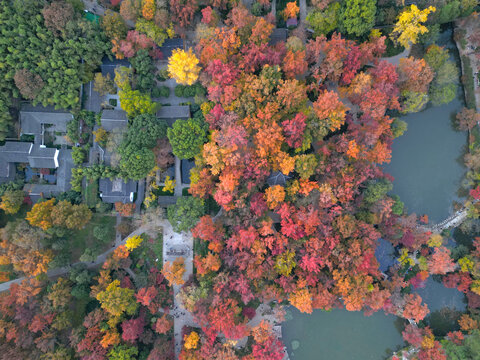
[133, 242]
[169, 185]
[410, 25]
[183, 66]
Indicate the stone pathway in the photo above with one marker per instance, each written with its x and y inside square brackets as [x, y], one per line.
[182, 246]
[118, 236]
[471, 26]
[93, 7]
[395, 60]
[303, 11]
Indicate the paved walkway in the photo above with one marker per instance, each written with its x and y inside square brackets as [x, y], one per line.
[177, 245]
[395, 60]
[303, 11]
[180, 244]
[94, 7]
[471, 26]
[150, 228]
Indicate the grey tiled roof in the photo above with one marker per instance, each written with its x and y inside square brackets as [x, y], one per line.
[108, 66]
[186, 166]
[277, 178]
[15, 152]
[7, 171]
[32, 118]
[42, 157]
[112, 119]
[117, 190]
[94, 99]
[174, 112]
[23, 152]
[64, 173]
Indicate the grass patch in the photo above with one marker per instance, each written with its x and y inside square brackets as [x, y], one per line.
[148, 254]
[160, 192]
[81, 239]
[157, 248]
[91, 193]
[392, 49]
[200, 247]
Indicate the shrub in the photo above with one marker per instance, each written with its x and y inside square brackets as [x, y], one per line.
[162, 91]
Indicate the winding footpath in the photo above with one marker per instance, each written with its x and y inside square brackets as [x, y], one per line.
[174, 245]
[147, 228]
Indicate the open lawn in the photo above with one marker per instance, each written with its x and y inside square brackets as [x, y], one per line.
[84, 238]
[90, 194]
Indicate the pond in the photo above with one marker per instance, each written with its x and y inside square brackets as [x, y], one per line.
[427, 160]
[342, 335]
[428, 170]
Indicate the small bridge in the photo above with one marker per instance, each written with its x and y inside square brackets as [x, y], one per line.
[452, 221]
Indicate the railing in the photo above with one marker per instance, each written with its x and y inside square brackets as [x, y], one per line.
[454, 220]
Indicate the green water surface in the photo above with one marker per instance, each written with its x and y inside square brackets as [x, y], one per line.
[342, 335]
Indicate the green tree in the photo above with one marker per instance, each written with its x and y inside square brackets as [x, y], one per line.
[90, 254]
[113, 25]
[324, 21]
[398, 206]
[443, 88]
[185, 214]
[103, 84]
[60, 293]
[399, 127]
[469, 350]
[123, 352]
[187, 137]
[144, 131]
[436, 56]
[154, 32]
[76, 180]
[144, 70]
[442, 94]
[305, 165]
[79, 155]
[135, 103]
[12, 201]
[376, 190]
[136, 162]
[62, 62]
[358, 16]
[448, 12]
[102, 233]
[413, 101]
[447, 74]
[117, 300]
[54, 62]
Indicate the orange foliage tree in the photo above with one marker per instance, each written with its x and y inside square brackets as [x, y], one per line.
[41, 214]
[173, 271]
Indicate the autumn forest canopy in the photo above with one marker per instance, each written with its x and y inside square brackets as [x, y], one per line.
[286, 199]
